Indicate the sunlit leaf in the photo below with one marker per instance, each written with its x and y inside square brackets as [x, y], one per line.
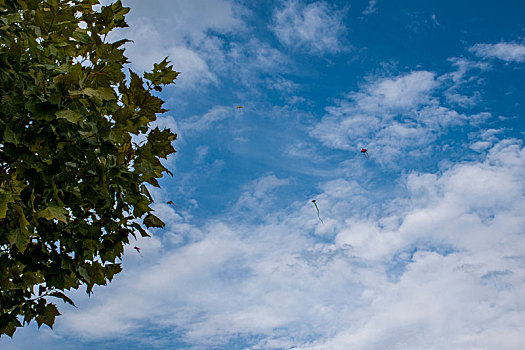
[53, 212]
[70, 116]
[152, 221]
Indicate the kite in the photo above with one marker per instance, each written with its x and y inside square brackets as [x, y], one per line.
[313, 201]
[365, 153]
[239, 107]
[171, 202]
[137, 249]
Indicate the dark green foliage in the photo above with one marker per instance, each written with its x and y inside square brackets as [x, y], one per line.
[72, 182]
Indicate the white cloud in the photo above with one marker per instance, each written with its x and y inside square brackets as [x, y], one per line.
[192, 64]
[371, 8]
[509, 52]
[442, 268]
[435, 20]
[202, 123]
[186, 31]
[303, 150]
[486, 139]
[461, 77]
[257, 196]
[316, 27]
[188, 20]
[396, 94]
[206, 41]
[149, 46]
[200, 153]
[463, 298]
[390, 116]
[246, 61]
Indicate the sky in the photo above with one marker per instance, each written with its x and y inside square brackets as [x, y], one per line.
[420, 246]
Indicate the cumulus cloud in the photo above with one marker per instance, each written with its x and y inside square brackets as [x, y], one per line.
[486, 139]
[187, 32]
[316, 27]
[398, 93]
[441, 268]
[508, 52]
[391, 115]
[464, 291]
[206, 40]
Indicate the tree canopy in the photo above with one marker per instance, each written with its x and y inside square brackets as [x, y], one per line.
[72, 177]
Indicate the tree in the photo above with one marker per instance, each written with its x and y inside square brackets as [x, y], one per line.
[72, 178]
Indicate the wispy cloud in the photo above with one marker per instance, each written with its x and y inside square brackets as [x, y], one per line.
[246, 61]
[467, 72]
[508, 52]
[200, 123]
[371, 8]
[316, 27]
[258, 196]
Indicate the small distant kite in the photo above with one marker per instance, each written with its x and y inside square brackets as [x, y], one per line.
[365, 153]
[239, 107]
[171, 202]
[313, 201]
[137, 249]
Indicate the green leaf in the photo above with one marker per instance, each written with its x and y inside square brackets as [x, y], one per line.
[10, 136]
[162, 73]
[81, 35]
[22, 221]
[19, 238]
[84, 273]
[5, 198]
[96, 273]
[8, 327]
[53, 212]
[69, 115]
[111, 270]
[159, 142]
[62, 296]
[103, 94]
[152, 221]
[48, 316]
[3, 209]
[139, 228]
[119, 10]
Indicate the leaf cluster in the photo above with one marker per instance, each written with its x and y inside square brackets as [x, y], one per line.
[72, 181]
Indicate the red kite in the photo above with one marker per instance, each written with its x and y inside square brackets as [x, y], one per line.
[171, 202]
[365, 153]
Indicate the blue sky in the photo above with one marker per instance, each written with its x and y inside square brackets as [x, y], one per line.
[421, 246]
